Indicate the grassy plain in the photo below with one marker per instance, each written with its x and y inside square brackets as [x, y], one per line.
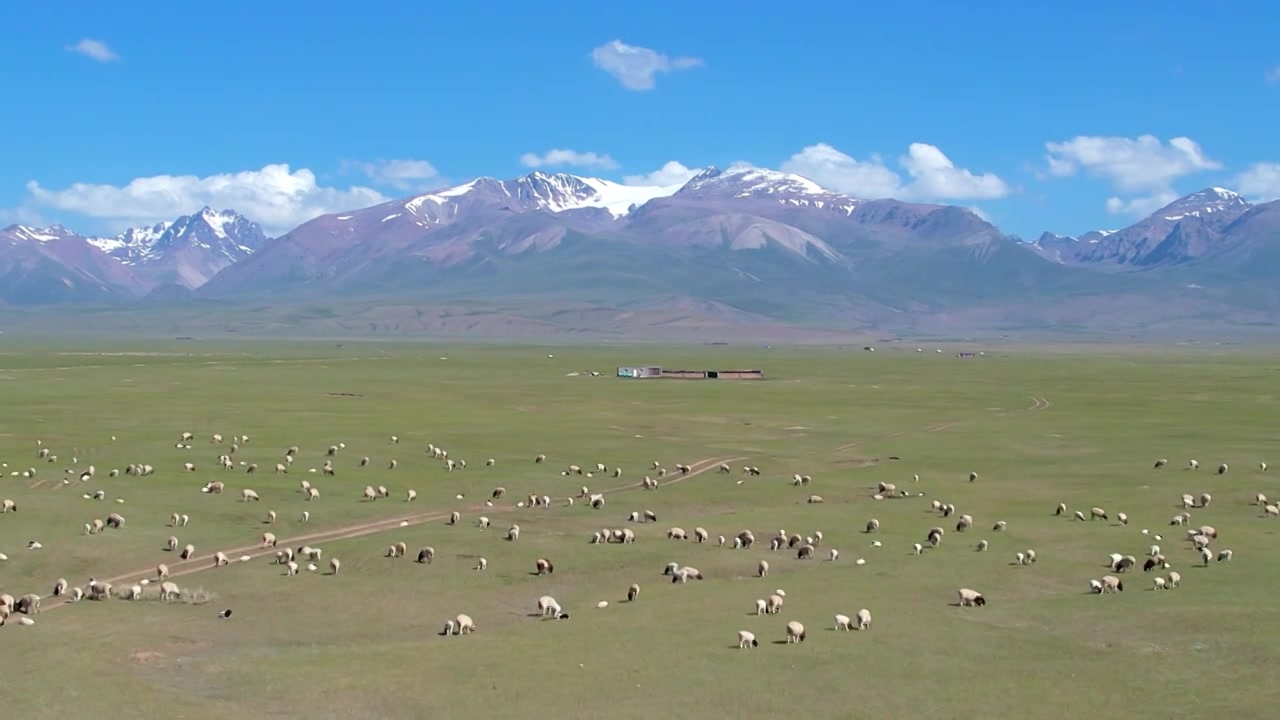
[1081, 427]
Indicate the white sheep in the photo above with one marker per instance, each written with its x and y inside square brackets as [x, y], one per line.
[747, 639]
[971, 598]
[762, 607]
[1174, 578]
[843, 622]
[513, 533]
[465, 624]
[547, 605]
[481, 564]
[795, 632]
[1159, 583]
[833, 554]
[864, 619]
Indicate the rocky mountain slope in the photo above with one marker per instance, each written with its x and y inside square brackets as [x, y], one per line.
[55, 265]
[1190, 228]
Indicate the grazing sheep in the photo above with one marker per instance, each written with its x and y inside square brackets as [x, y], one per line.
[540, 459]
[934, 537]
[162, 572]
[1193, 463]
[426, 555]
[60, 587]
[804, 552]
[513, 533]
[1159, 584]
[843, 622]
[918, 548]
[676, 533]
[543, 566]
[1062, 509]
[633, 592]
[747, 639]
[971, 598]
[982, 546]
[973, 476]
[454, 517]
[246, 495]
[1205, 499]
[465, 624]
[28, 604]
[814, 499]
[115, 520]
[833, 555]
[795, 632]
[999, 526]
[1224, 556]
[172, 544]
[965, 522]
[269, 539]
[188, 552]
[170, 591]
[1222, 469]
[774, 604]
[1030, 556]
[334, 564]
[1095, 586]
[864, 619]
[1174, 578]
[762, 607]
[1161, 463]
[1124, 564]
[1079, 516]
[1111, 583]
[220, 558]
[1262, 466]
[762, 569]
[1123, 518]
[1097, 513]
[872, 525]
[700, 535]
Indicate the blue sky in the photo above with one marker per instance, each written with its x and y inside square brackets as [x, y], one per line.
[1062, 116]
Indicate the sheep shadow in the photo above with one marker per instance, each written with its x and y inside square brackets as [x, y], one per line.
[781, 642]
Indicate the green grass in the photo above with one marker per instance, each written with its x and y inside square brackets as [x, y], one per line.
[364, 643]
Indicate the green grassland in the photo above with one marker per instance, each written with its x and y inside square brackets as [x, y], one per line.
[1081, 427]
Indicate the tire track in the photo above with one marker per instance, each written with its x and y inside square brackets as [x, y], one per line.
[201, 564]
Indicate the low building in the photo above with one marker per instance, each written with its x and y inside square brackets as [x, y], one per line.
[658, 372]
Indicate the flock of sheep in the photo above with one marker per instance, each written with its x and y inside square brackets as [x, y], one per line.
[805, 547]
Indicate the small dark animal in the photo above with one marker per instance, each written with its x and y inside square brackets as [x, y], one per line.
[225, 614]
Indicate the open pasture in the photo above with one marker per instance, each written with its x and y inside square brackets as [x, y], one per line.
[1038, 429]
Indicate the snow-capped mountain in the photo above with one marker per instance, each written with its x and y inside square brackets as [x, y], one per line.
[1190, 227]
[490, 223]
[187, 251]
[54, 265]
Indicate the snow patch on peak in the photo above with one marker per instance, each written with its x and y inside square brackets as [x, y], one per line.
[748, 180]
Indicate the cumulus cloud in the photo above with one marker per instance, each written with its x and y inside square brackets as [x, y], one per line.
[1140, 206]
[94, 50]
[1130, 164]
[1260, 182]
[636, 67]
[672, 173]
[399, 174]
[560, 157]
[276, 197]
[1273, 75]
[932, 175]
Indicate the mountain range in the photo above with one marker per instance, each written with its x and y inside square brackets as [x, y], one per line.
[741, 246]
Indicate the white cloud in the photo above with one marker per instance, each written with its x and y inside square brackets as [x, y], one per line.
[932, 175]
[399, 174]
[1142, 206]
[672, 173]
[1261, 182]
[1273, 75]
[1132, 165]
[635, 67]
[573, 158]
[275, 197]
[94, 50]
[21, 216]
